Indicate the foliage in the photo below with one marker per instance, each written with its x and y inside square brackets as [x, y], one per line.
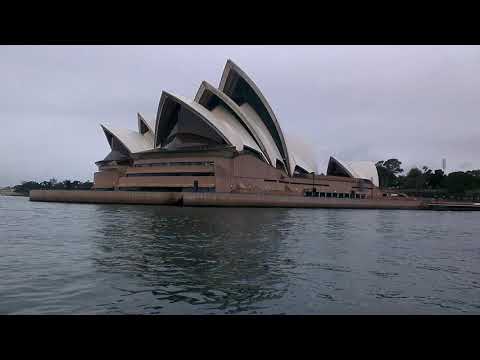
[425, 179]
[388, 171]
[52, 184]
[459, 182]
[415, 179]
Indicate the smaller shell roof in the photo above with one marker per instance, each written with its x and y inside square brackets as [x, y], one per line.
[115, 155]
[300, 155]
[359, 169]
[132, 140]
[150, 125]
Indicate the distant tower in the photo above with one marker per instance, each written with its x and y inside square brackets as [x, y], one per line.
[444, 165]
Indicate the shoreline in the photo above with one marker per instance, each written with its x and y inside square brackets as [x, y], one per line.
[240, 200]
[12, 193]
[218, 200]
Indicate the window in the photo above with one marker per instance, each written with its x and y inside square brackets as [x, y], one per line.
[169, 189]
[329, 194]
[177, 163]
[172, 174]
[340, 195]
[334, 194]
[322, 194]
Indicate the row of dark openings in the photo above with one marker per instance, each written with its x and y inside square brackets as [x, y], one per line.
[173, 174]
[351, 195]
[177, 163]
[163, 189]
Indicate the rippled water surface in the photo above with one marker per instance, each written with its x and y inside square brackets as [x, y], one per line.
[117, 259]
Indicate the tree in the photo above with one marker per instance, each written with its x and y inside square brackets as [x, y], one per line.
[388, 171]
[414, 179]
[87, 185]
[424, 184]
[52, 184]
[46, 185]
[459, 182]
[26, 186]
[67, 184]
[393, 166]
[426, 171]
[475, 173]
[436, 180]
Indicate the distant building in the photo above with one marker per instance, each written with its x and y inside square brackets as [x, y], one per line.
[227, 139]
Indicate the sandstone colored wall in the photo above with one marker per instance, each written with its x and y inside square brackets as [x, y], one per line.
[241, 174]
[259, 200]
[217, 199]
[166, 181]
[106, 197]
[106, 179]
[170, 169]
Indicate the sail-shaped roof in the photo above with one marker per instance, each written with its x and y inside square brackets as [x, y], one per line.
[210, 97]
[173, 109]
[237, 115]
[132, 141]
[355, 169]
[301, 155]
[242, 90]
[144, 125]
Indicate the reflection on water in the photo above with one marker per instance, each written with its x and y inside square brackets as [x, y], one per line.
[192, 256]
[67, 258]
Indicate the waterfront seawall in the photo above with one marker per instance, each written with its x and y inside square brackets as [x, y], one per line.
[264, 200]
[217, 199]
[106, 197]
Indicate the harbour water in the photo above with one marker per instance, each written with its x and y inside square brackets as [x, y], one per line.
[117, 259]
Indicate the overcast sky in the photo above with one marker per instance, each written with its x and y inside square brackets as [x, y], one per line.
[416, 103]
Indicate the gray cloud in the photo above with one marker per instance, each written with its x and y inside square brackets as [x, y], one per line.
[417, 103]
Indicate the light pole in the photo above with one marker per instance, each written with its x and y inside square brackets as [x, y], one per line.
[313, 184]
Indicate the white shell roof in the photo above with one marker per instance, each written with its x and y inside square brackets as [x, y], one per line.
[251, 124]
[300, 155]
[263, 133]
[148, 123]
[276, 133]
[132, 140]
[219, 118]
[205, 87]
[233, 130]
[361, 169]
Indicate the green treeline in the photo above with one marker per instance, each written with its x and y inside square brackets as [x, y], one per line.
[52, 184]
[428, 182]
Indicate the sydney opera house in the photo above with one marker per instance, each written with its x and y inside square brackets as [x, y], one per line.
[225, 140]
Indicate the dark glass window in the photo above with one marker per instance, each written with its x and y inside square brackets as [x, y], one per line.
[172, 174]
